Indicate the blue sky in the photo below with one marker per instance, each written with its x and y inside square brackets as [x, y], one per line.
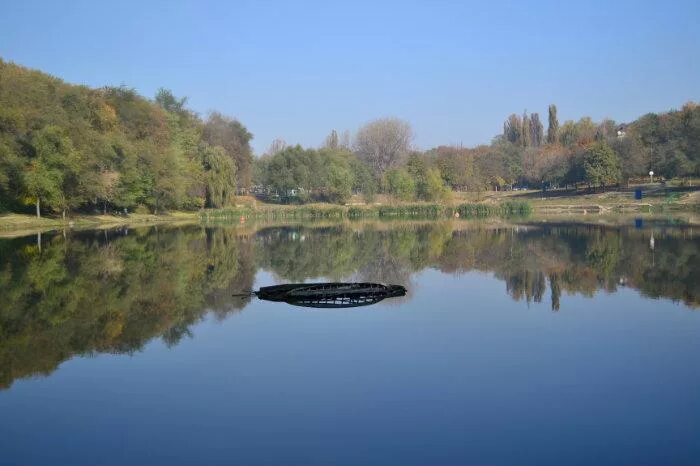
[296, 70]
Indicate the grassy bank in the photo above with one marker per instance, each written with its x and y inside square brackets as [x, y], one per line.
[506, 205]
[15, 224]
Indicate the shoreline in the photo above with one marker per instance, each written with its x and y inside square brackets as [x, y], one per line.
[14, 225]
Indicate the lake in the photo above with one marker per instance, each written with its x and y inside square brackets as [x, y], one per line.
[517, 343]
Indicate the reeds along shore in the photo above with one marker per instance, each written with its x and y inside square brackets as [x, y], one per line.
[517, 208]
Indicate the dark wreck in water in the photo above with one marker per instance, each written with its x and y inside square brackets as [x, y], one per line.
[330, 295]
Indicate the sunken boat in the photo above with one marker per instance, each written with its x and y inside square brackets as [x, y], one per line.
[330, 295]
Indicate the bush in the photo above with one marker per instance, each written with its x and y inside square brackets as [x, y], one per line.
[400, 184]
[142, 210]
[435, 189]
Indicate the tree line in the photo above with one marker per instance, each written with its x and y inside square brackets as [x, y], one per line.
[65, 147]
[381, 158]
[604, 153]
[72, 148]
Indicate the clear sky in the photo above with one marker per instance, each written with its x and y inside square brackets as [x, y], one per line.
[296, 70]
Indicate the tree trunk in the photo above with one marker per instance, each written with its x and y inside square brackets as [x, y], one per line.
[64, 215]
[38, 209]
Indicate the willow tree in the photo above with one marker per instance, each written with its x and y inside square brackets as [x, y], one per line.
[234, 138]
[219, 176]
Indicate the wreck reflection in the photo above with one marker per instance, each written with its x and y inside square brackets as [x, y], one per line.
[331, 295]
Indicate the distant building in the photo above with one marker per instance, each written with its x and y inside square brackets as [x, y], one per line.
[621, 130]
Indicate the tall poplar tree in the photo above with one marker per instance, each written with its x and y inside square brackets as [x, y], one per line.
[536, 130]
[512, 129]
[553, 128]
[331, 140]
[526, 132]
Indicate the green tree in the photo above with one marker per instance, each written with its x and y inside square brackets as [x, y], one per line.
[54, 160]
[417, 168]
[43, 183]
[429, 185]
[435, 189]
[401, 184]
[166, 99]
[340, 182]
[632, 156]
[601, 165]
[337, 177]
[296, 170]
[364, 181]
[10, 175]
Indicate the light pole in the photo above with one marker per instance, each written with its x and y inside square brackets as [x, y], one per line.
[651, 176]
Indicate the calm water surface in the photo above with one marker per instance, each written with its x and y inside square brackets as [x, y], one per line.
[516, 344]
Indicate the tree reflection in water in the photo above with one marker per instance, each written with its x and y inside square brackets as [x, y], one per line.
[113, 291]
